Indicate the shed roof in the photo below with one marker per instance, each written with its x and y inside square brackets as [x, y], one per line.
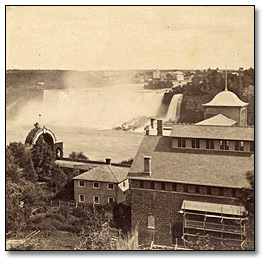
[213, 132]
[104, 173]
[213, 207]
[217, 120]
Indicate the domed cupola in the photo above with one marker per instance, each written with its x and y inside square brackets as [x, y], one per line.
[228, 104]
[226, 98]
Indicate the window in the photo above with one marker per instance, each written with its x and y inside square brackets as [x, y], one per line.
[174, 187]
[197, 189]
[197, 143]
[124, 183]
[252, 146]
[185, 188]
[163, 186]
[241, 145]
[182, 142]
[81, 198]
[209, 192]
[193, 143]
[151, 222]
[237, 145]
[152, 185]
[110, 200]
[96, 199]
[220, 191]
[81, 183]
[221, 144]
[110, 186]
[233, 192]
[227, 145]
[141, 184]
[207, 144]
[210, 144]
[95, 185]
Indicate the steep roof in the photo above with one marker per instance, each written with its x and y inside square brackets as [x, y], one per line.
[226, 98]
[213, 132]
[168, 164]
[217, 120]
[105, 173]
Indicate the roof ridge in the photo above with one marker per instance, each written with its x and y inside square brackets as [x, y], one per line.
[112, 173]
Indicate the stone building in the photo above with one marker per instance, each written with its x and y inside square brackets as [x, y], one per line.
[186, 183]
[101, 185]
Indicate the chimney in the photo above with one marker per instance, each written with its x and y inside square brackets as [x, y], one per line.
[159, 127]
[108, 161]
[152, 121]
[147, 165]
[147, 130]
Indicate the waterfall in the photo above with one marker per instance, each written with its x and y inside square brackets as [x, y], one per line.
[97, 108]
[173, 113]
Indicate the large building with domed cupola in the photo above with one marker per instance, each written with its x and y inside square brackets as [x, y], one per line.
[185, 180]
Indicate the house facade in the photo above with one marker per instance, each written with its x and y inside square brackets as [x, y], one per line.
[186, 184]
[101, 185]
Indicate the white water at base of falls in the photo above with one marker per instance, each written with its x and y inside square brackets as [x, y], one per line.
[173, 113]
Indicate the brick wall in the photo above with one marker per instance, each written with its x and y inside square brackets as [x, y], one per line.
[164, 206]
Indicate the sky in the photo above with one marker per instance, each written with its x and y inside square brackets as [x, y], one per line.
[113, 38]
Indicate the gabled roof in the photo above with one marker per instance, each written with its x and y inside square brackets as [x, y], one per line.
[226, 98]
[105, 173]
[213, 132]
[174, 165]
[217, 120]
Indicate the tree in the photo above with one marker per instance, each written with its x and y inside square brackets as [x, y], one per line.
[78, 155]
[17, 150]
[43, 158]
[22, 198]
[12, 168]
[246, 197]
[247, 194]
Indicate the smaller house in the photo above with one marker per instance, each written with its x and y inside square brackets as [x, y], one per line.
[101, 185]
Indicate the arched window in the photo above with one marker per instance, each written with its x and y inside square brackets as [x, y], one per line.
[151, 222]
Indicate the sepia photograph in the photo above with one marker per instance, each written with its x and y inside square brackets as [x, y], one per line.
[129, 128]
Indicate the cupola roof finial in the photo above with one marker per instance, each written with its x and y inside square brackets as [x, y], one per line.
[226, 86]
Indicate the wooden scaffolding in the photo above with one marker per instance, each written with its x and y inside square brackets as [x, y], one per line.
[226, 230]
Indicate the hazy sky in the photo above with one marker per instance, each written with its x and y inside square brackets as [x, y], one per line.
[95, 38]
